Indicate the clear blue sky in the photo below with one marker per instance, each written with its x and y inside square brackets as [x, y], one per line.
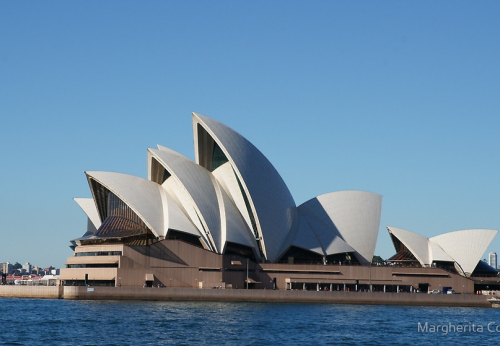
[401, 98]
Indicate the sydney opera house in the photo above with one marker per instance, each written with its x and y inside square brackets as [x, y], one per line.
[228, 220]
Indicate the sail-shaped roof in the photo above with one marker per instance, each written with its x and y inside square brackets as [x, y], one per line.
[465, 247]
[141, 195]
[269, 202]
[417, 244]
[231, 194]
[219, 218]
[88, 206]
[351, 216]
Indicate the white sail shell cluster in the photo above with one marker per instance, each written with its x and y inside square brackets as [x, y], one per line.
[464, 248]
[233, 194]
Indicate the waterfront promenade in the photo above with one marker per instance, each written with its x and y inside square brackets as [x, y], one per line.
[242, 295]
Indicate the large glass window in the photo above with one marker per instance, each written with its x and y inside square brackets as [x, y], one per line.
[121, 220]
[93, 265]
[99, 253]
[158, 173]
[101, 197]
[218, 157]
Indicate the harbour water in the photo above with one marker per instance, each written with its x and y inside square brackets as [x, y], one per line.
[68, 322]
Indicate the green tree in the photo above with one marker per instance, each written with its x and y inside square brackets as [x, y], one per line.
[377, 260]
[17, 265]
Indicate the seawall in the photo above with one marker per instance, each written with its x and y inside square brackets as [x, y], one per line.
[39, 292]
[242, 295]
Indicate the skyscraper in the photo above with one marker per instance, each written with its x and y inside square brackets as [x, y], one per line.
[493, 259]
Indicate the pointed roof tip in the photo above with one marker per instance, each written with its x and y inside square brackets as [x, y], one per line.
[93, 173]
[161, 148]
[196, 117]
[199, 116]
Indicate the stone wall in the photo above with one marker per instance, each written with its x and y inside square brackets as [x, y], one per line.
[22, 291]
[242, 295]
[284, 296]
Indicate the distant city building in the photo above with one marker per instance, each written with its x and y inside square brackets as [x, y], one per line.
[493, 260]
[7, 268]
[27, 268]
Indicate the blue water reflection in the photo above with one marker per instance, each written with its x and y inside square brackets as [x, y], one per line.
[61, 322]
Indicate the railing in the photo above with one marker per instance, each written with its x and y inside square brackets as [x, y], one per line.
[32, 283]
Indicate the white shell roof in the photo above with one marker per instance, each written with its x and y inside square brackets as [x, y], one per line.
[416, 243]
[235, 229]
[88, 206]
[221, 206]
[272, 204]
[175, 217]
[184, 201]
[466, 247]
[141, 195]
[215, 208]
[354, 215]
[306, 238]
[329, 238]
[226, 178]
[463, 247]
[436, 253]
[199, 184]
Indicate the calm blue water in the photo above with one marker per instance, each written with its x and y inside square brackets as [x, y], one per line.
[61, 322]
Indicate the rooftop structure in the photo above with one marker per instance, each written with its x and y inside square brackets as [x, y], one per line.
[227, 219]
[461, 250]
[231, 199]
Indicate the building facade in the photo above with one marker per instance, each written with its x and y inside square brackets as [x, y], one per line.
[27, 268]
[228, 220]
[7, 268]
